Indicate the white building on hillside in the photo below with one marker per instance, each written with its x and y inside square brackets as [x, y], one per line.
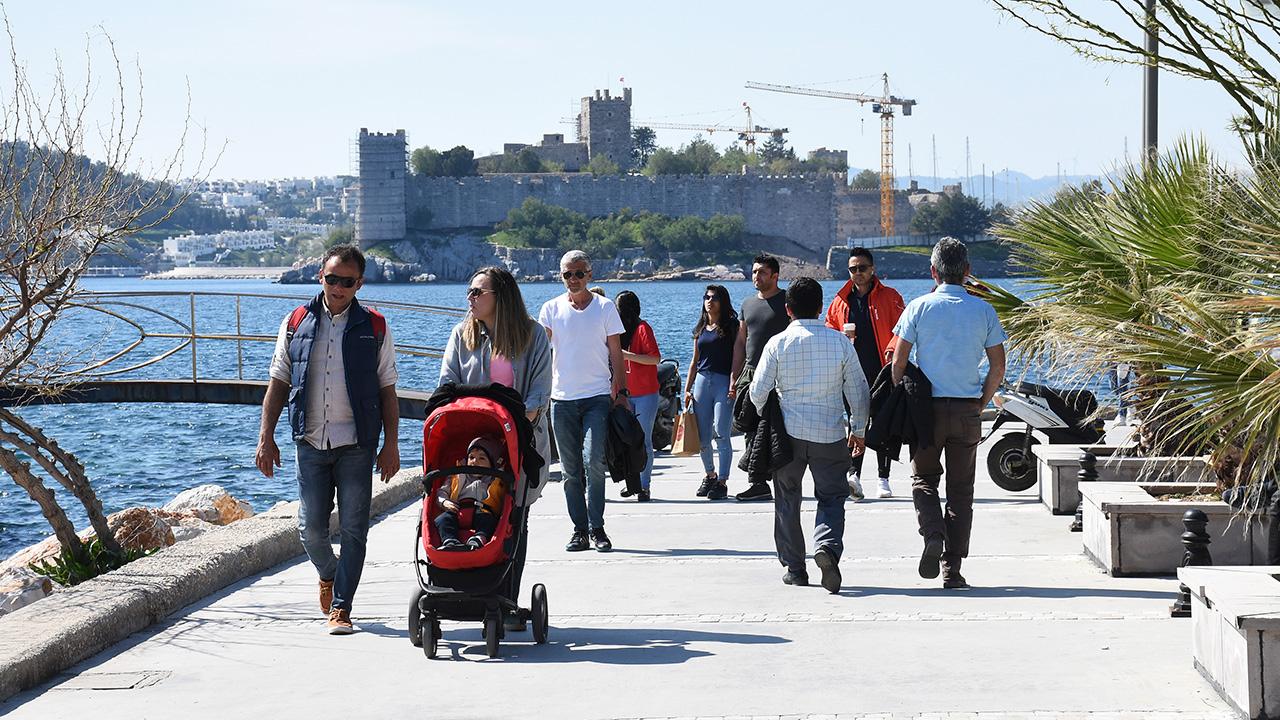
[184, 249]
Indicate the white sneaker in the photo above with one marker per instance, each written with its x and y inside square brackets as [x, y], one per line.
[885, 492]
[855, 487]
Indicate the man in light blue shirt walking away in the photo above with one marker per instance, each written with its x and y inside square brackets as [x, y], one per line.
[816, 373]
[950, 333]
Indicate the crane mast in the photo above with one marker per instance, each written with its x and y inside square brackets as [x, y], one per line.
[884, 106]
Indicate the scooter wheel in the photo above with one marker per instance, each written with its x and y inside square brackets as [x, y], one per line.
[1009, 466]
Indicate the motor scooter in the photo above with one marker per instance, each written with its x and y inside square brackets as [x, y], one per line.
[1063, 416]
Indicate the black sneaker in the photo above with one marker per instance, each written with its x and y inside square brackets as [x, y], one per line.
[826, 561]
[642, 496]
[955, 582]
[475, 542]
[718, 491]
[798, 578]
[705, 487]
[627, 493]
[755, 491]
[603, 544]
[578, 542]
[931, 557]
[452, 545]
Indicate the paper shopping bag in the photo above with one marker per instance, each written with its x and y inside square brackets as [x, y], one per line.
[686, 441]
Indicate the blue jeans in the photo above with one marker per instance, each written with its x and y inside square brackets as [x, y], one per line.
[581, 434]
[348, 472]
[646, 410]
[712, 407]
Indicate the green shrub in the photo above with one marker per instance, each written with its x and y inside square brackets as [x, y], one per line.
[66, 570]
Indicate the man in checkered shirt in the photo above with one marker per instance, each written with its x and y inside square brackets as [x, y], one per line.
[816, 373]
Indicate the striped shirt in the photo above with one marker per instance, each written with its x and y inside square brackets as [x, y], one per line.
[816, 373]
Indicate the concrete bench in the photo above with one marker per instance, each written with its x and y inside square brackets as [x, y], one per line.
[1235, 634]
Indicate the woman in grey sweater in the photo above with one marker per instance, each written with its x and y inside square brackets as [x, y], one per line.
[498, 342]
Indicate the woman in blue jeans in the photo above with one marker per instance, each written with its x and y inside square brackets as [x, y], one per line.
[640, 349]
[707, 387]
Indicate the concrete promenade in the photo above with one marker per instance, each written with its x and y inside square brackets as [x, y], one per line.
[686, 618]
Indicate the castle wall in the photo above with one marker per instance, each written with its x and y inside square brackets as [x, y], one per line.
[805, 210]
[858, 214]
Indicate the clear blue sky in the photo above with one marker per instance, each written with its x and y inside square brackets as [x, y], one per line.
[286, 85]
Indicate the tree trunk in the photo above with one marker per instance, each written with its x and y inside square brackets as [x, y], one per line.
[62, 527]
[74, 479]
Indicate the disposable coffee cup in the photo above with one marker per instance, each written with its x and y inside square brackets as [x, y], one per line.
[850, 328]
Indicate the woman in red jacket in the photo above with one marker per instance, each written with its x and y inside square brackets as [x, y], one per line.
[866, 310]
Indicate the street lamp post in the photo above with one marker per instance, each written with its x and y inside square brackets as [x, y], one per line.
[1150, 89]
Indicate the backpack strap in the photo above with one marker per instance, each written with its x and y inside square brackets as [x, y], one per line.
[379, 323]
[295, 319]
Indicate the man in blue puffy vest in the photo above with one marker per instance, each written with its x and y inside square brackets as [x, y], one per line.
[334, 366]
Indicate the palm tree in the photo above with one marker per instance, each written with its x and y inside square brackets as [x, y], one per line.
[1172, 269]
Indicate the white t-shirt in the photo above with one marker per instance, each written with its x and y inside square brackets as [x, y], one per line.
[579, 341]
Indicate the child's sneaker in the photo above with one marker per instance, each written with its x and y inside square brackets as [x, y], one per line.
[475, 542]
[451, 544]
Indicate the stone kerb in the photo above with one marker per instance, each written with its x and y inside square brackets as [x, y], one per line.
[1235, 634]
[1129, 533]
[53, 634]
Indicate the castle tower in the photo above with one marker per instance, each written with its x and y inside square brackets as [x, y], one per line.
[380, 215]
[605, 126]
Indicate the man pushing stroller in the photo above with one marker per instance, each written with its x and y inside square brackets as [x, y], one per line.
[484, 491]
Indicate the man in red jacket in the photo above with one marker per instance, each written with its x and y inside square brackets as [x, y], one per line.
[866, 310]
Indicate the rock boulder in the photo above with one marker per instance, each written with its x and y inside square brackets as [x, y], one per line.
[20, 587]
[211, 503]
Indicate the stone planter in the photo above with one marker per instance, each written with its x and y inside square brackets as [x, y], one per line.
[1235, 634]
[1128, 532]
[1057, 466]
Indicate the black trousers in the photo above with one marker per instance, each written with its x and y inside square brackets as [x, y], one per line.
[882, 463]
[482, 521]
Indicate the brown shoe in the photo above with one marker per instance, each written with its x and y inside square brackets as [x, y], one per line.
[340, 622]
[326, 596]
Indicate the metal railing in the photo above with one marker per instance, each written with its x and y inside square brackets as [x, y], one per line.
[131, 307]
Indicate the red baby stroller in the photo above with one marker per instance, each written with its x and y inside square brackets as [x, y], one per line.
[481, 584]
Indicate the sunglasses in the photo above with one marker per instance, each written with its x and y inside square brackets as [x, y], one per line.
[346, 282]
[574, 274]
[711, 297]
[477, 292]
[859, 268]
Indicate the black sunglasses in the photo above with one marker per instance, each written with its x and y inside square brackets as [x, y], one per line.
[711, 297]
[346, 282]
[477, 292]
[574, 273]
[859, 268]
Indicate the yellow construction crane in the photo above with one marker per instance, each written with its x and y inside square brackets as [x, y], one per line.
[884, 105]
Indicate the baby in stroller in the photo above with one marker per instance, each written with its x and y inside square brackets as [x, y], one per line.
[485, 492]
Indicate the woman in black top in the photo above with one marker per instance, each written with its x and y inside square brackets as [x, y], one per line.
[707, 387]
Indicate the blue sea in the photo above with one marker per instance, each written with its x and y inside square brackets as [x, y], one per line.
[144, 454]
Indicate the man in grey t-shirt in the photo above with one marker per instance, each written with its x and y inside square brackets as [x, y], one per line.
[763, 316]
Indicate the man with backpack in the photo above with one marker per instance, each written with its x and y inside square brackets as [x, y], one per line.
[334, 365]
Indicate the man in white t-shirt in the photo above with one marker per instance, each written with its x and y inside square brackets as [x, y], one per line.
[585, 333]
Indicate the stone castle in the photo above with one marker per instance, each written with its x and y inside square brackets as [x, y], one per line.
[802, 216]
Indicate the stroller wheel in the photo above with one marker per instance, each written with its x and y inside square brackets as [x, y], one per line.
[492, 633]
[538, 605]
[415, 618]
[430, 635]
